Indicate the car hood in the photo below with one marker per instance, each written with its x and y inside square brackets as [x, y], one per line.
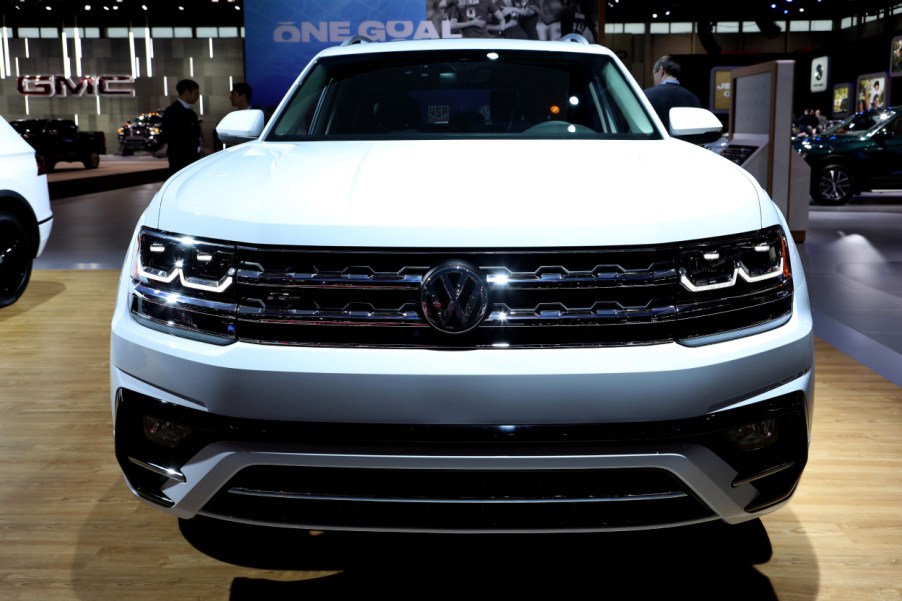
[460, 193]
[832, 142]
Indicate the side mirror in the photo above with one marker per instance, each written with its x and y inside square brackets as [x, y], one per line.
[240, 126]
[696, 125]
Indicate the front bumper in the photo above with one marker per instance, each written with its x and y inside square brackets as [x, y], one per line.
[487, 441]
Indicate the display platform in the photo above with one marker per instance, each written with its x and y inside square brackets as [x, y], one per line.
[114, 172]
[72, 531]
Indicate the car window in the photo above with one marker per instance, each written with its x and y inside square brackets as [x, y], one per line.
[463, 94]
[896, 127]
[860, 122]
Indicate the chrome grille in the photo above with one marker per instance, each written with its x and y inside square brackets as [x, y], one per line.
[696, 293]
[540, 298]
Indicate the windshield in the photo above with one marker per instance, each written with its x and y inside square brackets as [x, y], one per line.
[469, 93]
[860, 122]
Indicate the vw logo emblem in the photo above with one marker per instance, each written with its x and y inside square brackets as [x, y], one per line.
[454, 298]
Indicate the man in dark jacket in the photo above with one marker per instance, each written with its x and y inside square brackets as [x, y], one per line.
[667, 91]
[181, 127]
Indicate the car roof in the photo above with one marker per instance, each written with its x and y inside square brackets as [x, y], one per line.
[359, 45]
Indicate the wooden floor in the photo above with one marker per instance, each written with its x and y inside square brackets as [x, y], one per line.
[69, 529]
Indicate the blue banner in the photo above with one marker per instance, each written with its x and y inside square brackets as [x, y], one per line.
[281, 36]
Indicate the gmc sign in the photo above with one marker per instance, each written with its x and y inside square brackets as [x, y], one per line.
[60, 85]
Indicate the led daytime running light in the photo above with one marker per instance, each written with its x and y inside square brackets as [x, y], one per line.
[158, 275]
[220, 286]
[737, 273]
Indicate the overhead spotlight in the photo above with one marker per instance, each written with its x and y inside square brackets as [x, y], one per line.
[144, 7]
[654, 15]
[48, 8]
[87, 7]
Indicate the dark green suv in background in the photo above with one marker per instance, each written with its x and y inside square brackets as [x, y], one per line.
[860, 154]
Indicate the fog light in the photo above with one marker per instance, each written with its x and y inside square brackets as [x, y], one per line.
[753, 437]
[164, 432]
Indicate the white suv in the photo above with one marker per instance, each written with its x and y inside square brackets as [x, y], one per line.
[25, 215]
[468, 286]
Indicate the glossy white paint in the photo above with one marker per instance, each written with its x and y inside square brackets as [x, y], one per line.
[435, 193]
[19, 176]
[463, 193]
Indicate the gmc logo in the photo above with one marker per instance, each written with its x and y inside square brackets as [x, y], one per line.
[60, 85]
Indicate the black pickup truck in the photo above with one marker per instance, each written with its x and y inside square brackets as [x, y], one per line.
[59, 140]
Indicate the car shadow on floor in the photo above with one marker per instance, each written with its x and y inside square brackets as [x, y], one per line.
[709, 561]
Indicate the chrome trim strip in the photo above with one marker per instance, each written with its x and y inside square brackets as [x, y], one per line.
[187, 303]
[542, 277]
[764, 474]
[312, 497]
[499, 316]
[167, 472]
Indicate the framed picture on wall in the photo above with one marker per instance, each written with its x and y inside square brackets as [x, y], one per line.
[842, 94]
[872, 92]
[895, 60]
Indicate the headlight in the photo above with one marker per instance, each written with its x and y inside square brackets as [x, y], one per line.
[184, 286]
[734, 287]
[723, 265]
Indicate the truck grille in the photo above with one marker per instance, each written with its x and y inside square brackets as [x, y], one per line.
[462, 298]
[538, 299]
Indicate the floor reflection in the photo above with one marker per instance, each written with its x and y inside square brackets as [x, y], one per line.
[711, 561]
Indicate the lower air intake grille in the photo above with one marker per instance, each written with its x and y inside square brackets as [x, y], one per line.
[448, 500]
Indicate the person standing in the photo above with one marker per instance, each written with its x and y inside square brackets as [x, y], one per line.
[472, 18]
[667, 92]
[181, 127]
[240, 96]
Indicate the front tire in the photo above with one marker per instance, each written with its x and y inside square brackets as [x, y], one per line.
[92, 161]
[833, 185]
[16, 258]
